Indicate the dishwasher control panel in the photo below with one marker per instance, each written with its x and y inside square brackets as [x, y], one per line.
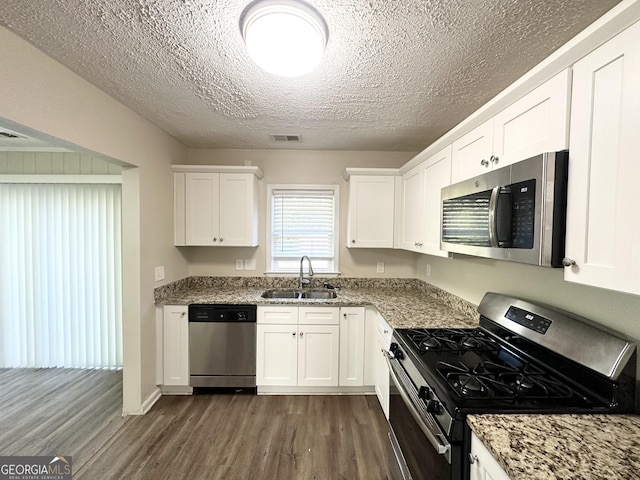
[222, 313]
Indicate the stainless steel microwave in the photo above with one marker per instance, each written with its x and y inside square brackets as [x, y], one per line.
[512, 213]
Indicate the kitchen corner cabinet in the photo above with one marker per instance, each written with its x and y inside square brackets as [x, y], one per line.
[175, 343]
[484, 466]
[371, 209]
[436, 175]
[603, 231]
[216, 206]
[410, 211]
[418, 227]
[301, 351]
[352, 346]
[538, 122]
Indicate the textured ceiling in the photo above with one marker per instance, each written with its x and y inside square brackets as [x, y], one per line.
[396, 74]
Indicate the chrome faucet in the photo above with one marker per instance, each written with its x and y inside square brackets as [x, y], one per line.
[305, 281]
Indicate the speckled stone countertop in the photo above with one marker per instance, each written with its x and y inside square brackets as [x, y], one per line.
[562, 447]
[403, 303]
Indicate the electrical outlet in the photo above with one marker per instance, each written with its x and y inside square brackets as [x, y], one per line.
[249, 263]
[380, 267]
[159, 273]
[239, 264]
[428, 270]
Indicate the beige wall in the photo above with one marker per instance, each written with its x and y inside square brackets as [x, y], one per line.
[470, 278]
[48, 101]
[300, 167]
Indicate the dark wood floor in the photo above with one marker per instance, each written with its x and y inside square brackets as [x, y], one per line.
[206, 436]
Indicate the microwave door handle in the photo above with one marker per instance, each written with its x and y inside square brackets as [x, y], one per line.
[493, 217]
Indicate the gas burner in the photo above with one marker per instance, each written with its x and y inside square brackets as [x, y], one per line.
[490, 379]
[450, 340]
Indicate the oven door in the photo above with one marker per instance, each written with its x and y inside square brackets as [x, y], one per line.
[420, 449]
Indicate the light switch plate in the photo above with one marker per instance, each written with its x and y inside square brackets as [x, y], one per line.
[249, 263]
[239, 264]
[159, 273]
[380, 267]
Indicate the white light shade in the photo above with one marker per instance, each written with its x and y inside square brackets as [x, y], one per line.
[286, 38]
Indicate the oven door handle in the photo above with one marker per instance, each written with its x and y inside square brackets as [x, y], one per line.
[439, 441]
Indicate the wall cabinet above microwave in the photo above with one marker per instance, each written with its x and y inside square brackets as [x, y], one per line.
[538, 122]
[216, 206]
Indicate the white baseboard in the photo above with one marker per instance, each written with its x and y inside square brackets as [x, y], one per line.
[150, 401]
[273, 390]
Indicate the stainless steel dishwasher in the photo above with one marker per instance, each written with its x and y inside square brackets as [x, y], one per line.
[222, 345]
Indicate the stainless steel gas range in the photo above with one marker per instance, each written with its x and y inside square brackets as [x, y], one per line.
[523, 358]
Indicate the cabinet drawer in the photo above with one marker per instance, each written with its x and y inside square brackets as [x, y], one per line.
[278, 314]
[319, 315]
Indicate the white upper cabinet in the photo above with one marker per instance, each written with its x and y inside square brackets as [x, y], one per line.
[371, 211]
[436, 174]
[410, 211]
[536, 123]
[202, 208]
[216, 206]
[418, 204]
[603, 224]
[472, 154]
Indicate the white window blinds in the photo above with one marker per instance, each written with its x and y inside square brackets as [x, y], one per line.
[303, 222]
[60, 281]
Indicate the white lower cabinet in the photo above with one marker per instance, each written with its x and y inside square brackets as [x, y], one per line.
[318, 355]
[484, 466]
[383, 341]
[298, 353]
[277, 355]
[352, 343]
[175, 346]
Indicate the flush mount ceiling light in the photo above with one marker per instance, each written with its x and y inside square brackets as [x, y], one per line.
[284, 37]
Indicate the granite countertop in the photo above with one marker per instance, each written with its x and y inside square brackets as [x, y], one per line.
[404, 303]
[562, 447]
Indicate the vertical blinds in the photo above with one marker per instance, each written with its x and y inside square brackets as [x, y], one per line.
[61, 280]
[302, 223]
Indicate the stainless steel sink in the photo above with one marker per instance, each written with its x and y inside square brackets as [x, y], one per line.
[300, 295]
[319, 294]
[280, 294]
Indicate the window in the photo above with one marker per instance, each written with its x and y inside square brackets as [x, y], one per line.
[302, 221]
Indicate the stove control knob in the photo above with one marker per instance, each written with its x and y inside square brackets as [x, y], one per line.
[393, 347]
[425, 393]
[433, 406]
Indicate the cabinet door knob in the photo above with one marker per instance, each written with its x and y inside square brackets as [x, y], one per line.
[473, 458]
[568, 262]
[293, 334]
[301, 334]
[484, 162]
[215, 239]
[353, 241]
[494, 159]
[221, 239]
